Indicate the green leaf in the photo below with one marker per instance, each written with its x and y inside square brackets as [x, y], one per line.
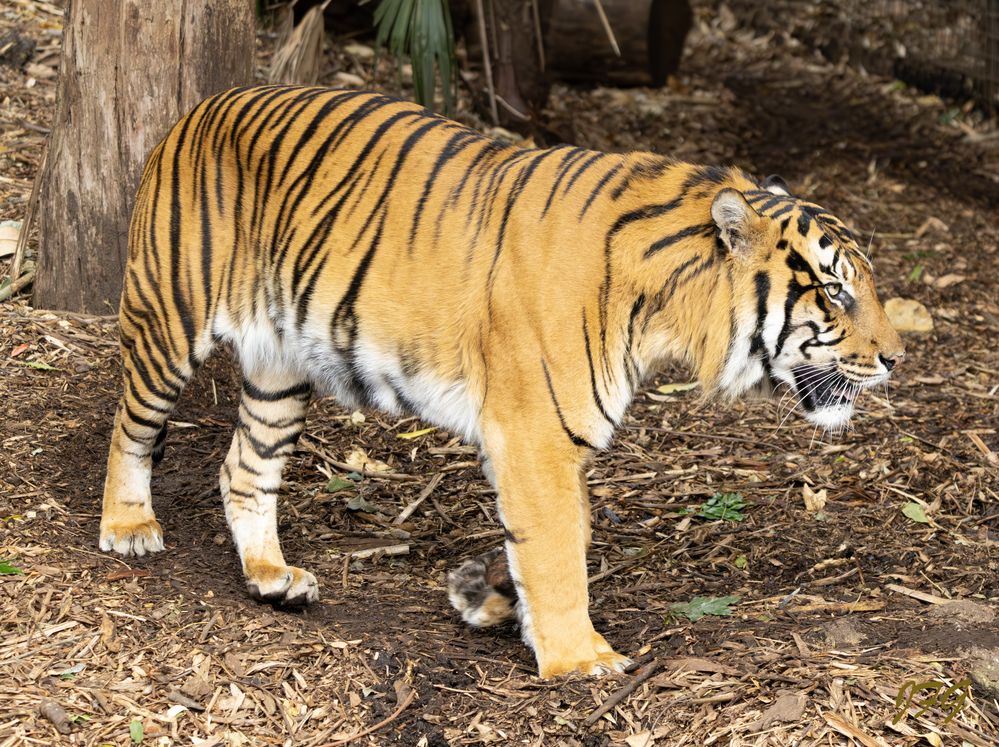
[698, 607]
[674, 388]
[360, 503]
[915, 512]
[40, 365]
[742, 562]
[338, 483]
[916, 273]
[8, 569]
[135, 731]
[724, 507]
[420, 30]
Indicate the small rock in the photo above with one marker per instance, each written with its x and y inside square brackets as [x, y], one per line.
[984, 673]
[908, 315]
[361, 51]
[348, 80]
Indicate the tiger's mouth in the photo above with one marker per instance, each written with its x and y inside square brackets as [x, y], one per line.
[825, 395]
[818, 388]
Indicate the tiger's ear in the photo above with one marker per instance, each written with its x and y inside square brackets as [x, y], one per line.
[776, 185]
[735, 219]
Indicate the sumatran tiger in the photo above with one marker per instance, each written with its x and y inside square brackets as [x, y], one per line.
[349, 244]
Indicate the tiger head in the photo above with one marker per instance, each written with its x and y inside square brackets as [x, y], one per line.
[807, 311]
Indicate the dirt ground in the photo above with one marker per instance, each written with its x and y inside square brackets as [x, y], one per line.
[840, 606]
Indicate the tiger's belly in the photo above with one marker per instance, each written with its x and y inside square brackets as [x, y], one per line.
[368, 374]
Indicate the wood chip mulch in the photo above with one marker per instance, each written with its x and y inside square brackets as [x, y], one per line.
[864, 563]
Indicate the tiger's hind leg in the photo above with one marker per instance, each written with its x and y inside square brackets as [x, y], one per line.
[271, 418]
[154, 376]
[482, 590]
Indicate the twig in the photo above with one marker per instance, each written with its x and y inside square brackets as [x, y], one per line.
[537, 34]
[397, 476]
[922, 596]
[22, 238]
[607, 27]
[371, 729]
[408, 510]
[487, 65]
[511, 108]
[17, 285]
[643, 674]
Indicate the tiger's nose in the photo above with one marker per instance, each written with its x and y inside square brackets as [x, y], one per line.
[892, 359]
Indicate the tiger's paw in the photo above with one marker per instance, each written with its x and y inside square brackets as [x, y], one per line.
[285, 586]
[600, 661]
[482, 591]
[131, 538]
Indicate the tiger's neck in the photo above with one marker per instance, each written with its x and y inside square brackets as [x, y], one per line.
[686, 298]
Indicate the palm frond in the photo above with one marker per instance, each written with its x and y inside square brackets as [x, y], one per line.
[420, 30]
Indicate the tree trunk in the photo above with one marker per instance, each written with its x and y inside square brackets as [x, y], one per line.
[130, 69]
[649, 33]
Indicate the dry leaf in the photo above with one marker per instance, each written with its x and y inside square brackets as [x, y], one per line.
[673, 388]
[814, 500]
[359, 460]
[9, 233]
[642, 739]
[788, 707]
[932, 224]
[945, 281]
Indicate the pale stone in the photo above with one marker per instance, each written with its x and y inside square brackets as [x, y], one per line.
[908, 315]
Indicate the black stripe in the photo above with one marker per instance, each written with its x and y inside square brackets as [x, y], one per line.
[568, 162]
[298, 390]
[701, 229]
[575, 438]
[593, 373]
[599, 188]
[761, 281]
[582, 170]
[454, 146]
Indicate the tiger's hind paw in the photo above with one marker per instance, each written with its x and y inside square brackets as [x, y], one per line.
[482, 590]
[285, 586]
[132, 538]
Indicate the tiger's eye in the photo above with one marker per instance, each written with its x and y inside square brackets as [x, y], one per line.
[834, 290]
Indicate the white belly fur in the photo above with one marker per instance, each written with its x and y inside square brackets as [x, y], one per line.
[310, 354]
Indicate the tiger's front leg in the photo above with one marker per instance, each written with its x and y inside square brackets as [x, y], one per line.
[545, 513]
[271, 418]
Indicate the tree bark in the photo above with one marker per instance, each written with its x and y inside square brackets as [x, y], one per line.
[130, 69]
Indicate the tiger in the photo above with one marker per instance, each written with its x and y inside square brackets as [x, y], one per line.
[349, 244]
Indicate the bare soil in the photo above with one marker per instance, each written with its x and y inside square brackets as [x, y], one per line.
[838, 608]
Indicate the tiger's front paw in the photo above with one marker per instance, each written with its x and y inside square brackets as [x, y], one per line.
[285, 586]
[131, 538]
[599, 660]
